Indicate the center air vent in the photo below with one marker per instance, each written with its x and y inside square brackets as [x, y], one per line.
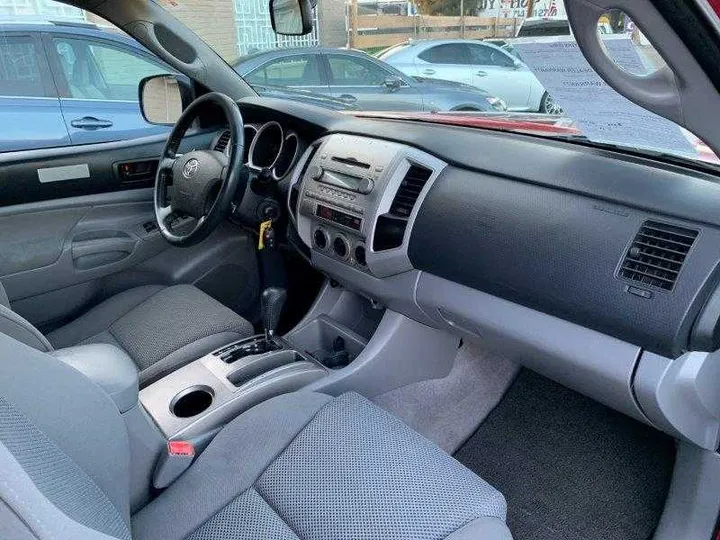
[222, 141]
[657, 254]
[409, 191]
[390, 228]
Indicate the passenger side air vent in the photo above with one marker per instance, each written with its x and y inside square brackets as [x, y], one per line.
[390, 227]
[409, 191]
[222, 141]
[657, 254]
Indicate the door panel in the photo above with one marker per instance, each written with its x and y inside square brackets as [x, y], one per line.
[61, 256]
[21, 183]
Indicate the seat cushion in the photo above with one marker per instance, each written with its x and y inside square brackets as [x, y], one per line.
[309, 466]
[161, 328]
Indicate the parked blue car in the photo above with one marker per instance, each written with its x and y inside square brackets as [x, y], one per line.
[83, 89]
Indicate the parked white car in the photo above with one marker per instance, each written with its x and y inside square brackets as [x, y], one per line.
[480, 64]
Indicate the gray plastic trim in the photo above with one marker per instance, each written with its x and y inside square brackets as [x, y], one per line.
[402, 351]
[592, 363]
[285, 374]
[396, 292]
[67, 172]
[682, 396]
[693, 502]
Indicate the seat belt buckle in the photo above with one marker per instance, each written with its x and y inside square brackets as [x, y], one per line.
[176, 459]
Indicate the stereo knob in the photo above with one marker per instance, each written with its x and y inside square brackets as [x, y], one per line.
[316, 172]
[341, 247]
[321, 239]
[365, 185]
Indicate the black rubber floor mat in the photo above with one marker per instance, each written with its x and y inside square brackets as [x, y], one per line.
[569, 467]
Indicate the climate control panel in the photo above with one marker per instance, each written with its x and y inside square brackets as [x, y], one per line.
[344, 184]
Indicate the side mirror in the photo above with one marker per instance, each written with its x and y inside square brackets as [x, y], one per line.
[517, 64]
[393, 83]
[291, 17]
[163, 98]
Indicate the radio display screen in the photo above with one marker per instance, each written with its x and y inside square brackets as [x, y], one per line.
[338, 217]
[340, 180]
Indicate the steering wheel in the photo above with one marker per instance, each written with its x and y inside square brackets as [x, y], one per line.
[203, 182]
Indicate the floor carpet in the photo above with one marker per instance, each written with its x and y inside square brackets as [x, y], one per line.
[569, 467]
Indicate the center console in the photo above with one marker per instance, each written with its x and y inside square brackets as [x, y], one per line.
[200, 397]
[206, 394]
[354, 199]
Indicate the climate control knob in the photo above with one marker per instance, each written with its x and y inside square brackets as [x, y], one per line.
[321, 239]
[341, 248]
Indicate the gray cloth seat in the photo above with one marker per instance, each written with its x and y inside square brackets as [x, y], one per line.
[299, 466]
[161, 328]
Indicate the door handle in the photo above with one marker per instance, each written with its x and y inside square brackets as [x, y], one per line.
[429, 72]
[348, 98]
[481, 73]
[90, 123]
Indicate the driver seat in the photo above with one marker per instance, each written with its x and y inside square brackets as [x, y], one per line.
[161, 328]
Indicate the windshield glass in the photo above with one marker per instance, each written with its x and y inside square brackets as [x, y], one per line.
[499, 64]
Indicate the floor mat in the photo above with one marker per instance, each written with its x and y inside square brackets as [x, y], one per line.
[569, 467]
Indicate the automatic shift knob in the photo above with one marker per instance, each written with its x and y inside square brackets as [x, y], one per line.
[271, 304]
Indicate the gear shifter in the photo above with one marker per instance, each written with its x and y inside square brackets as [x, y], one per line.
[271, 304]
[272, 301]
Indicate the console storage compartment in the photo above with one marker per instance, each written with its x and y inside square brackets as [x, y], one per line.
[317, 338]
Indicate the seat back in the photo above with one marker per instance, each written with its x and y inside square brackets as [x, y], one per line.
[64, 452]
[13, 325]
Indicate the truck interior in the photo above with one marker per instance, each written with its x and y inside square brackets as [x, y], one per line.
[284, 321]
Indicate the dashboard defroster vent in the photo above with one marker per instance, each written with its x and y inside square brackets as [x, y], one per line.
[657, 254]
[409, 191]
[222, 141]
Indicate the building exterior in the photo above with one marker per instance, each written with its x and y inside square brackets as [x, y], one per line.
[234, 27]
[39, 10]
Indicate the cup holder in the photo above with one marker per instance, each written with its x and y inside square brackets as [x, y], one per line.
[192, 401]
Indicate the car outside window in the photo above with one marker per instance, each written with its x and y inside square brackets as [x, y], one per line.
[94, 70]
[451, 53]
[301, 70]
[20, 74]
[351, 71]
[487, 56]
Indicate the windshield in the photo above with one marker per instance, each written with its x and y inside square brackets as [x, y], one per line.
[497, 64]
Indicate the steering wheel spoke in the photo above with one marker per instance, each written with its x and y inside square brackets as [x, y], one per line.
[166, 164]
[198, 176]
[163, 212]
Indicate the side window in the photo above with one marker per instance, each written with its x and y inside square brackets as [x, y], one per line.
[20, 73]
[487, 56]
[95, 70]
[450, 53]
[301, 70]
[353, 71]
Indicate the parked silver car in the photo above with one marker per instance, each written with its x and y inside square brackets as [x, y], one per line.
[476, 63]
[360, 80]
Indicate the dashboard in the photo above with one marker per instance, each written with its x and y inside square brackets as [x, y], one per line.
[577, 262]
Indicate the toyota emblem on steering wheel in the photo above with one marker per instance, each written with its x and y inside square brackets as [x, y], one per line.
[190, 168]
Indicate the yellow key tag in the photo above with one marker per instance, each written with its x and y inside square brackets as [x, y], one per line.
[264, 226]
